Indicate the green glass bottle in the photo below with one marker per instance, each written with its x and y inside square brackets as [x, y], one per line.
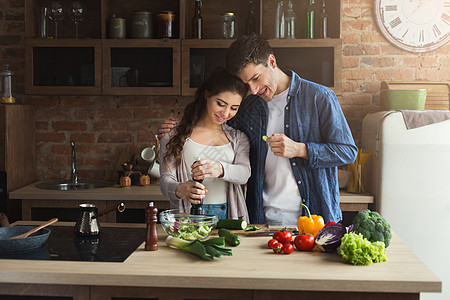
[310, 19]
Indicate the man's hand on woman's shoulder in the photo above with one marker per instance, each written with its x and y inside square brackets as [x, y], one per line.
[165, 127]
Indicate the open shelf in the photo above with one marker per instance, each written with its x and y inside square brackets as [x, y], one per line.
[153, 67]
[95, 64]
[64, 67]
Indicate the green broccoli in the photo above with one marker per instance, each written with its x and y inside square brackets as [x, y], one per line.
[372, 226]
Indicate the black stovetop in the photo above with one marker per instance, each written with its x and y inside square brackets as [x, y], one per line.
[111, 245]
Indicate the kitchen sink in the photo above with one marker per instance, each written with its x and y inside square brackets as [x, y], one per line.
[72, 186]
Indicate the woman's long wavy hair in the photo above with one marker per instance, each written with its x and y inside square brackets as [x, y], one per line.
[218, 82]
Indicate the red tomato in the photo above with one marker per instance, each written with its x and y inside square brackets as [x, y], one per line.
[278, 248]
[283, 236]
[278, 235]
[304, 242]
[272, 243]
[288, 248]
[287, 237]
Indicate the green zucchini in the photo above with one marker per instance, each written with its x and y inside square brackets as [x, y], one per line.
[231, 224]
[230, 238]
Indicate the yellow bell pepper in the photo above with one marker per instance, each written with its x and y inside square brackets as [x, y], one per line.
[310, 223]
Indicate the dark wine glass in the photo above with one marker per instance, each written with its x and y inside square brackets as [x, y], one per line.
[77, 12]
[56, 13]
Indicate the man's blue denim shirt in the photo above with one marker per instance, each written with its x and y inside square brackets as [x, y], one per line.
[313, 116]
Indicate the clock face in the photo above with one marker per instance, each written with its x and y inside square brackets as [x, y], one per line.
[414, 25]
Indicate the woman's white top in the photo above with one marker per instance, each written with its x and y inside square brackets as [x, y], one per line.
[216, 187]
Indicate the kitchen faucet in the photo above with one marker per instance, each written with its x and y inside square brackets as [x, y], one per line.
[73, 175]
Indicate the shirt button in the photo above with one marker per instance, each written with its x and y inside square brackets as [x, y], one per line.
[289, 97]
[251, 128]
[303, 200]
[294, 164]
[299, 182]
[287, 107]
[287, 125]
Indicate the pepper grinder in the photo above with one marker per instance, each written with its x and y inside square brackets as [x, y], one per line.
[196, 209]
[151, 236]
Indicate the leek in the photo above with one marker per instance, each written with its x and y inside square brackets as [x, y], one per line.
[207, 250]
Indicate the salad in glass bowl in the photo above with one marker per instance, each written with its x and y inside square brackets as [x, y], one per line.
[181, 224]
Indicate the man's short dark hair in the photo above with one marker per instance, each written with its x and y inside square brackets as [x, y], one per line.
[247, 49]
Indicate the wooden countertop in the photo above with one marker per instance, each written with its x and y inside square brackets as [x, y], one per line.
[144, 193]
[252, 266]
[116, 193]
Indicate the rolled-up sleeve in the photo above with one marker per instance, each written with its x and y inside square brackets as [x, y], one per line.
[168, 181]
[337, 146]
[239, 171]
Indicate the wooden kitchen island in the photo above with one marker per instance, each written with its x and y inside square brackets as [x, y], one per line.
[253, 272]
[135, 197]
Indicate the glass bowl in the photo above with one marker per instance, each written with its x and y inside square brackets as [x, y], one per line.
[181, 224]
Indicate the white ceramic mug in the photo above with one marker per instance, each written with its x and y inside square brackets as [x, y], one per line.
[153, 171]
[148, 154]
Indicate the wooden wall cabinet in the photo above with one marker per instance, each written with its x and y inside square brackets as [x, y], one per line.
[153, 67]
[95, 64]
[63, 67]
[318, 60]
[199, 58]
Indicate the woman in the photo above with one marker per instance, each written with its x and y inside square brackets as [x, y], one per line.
[202, 146]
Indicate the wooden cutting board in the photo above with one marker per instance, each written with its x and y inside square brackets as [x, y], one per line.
[264, 229]
[438, 97]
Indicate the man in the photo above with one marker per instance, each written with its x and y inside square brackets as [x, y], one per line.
[308, 138]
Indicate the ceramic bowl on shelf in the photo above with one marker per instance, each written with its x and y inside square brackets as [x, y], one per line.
[181, 224]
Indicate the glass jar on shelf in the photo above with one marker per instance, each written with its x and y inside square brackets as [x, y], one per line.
[6, 85]
[228, 26]
[166, 20]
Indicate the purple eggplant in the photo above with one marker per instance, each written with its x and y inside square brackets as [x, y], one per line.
[329, 237]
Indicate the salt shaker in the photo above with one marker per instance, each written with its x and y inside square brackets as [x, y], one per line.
[151, 236]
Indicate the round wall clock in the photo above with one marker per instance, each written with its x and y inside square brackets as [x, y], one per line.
[414, 25]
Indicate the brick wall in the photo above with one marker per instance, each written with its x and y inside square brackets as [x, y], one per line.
[103, 126]
[368, 59]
